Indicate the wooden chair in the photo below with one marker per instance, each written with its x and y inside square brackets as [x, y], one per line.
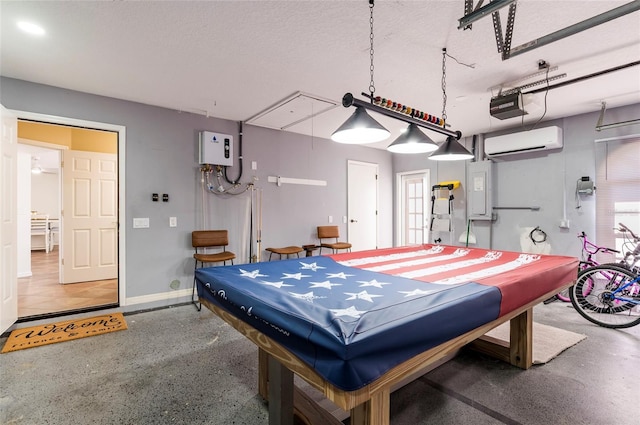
[203, 239]
[40, 228]
[287, 250]
[331, 233]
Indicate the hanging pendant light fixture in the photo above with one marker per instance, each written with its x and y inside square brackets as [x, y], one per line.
[412, 141]
[360, 128]
[451, 149]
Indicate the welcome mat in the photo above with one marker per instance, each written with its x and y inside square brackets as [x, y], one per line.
[548, 341]
[36, 336]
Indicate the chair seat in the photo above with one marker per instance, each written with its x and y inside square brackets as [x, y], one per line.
[214, 258]
[287, 250]
[337, 245]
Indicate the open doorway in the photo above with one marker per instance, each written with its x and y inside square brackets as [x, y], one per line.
[56, 243]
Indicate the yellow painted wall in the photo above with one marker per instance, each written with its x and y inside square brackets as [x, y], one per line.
[79, 139]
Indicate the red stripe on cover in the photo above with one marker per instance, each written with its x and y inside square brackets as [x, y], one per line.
[521, 278]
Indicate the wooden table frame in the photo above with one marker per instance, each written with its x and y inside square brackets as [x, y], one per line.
[370, 404]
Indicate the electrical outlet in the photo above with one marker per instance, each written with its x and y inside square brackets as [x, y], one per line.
[564, 224]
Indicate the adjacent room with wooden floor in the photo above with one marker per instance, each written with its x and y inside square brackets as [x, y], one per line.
[49, 285]
[42, 293]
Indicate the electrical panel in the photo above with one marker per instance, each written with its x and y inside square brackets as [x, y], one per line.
[216, 148]
[479, 190]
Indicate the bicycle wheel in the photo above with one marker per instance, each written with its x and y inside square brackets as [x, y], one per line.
[604, 295]
[564, 295]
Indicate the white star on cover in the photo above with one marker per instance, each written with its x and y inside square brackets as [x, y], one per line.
[275, 284]
[326, 284]
[351, 312]
[373, 283]
[340, 275]
[311, 266]
[252, 274]
[308, 297]
[364, 295]
[296, 276]
[415, 292]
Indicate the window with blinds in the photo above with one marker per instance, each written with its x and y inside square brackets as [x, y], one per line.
[617, 192]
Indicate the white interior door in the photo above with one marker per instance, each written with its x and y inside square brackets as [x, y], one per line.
[362, 220]
[89, 216]
[8, 220]
[414, 211]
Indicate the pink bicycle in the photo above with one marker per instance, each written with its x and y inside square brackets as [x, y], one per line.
[589, 250]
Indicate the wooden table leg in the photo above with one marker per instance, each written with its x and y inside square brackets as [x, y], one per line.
[518, 351]
[375, 411]
[263, 373]
[280, 393]
[521, 340]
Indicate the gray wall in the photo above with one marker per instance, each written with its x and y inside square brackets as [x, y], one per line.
[535, 180]
[162, 156]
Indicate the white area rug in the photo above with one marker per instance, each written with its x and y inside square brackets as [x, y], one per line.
[548, 341]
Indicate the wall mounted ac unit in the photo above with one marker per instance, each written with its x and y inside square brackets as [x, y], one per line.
[539, 139]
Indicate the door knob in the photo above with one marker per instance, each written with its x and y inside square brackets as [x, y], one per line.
[353, 221]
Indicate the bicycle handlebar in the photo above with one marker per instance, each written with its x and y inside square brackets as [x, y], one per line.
[588, 246]
[624, 228]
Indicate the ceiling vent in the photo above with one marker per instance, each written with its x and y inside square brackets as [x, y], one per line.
[292, 110]
[539, 139]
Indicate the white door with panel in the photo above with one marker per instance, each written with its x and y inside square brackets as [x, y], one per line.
[413, 190]
[8, 220]
[89, 217]
[362, 212]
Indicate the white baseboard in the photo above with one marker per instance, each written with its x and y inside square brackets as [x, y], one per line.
[171, 296]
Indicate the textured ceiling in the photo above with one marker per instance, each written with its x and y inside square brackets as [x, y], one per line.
[235, 59]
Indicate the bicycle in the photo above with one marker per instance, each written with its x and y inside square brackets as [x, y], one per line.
[608, 295]
[631, 258]
[589, 250]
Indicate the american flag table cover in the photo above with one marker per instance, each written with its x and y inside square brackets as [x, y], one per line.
[354, 316]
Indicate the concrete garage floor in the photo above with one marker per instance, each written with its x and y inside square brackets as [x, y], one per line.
[180, 366]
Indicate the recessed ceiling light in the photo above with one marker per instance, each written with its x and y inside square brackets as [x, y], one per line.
[31, 28]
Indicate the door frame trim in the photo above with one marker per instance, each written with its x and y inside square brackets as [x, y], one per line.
[121, 130]
[377, 169]
[399, 199]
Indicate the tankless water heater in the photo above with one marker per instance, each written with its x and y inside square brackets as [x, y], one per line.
[216, 148]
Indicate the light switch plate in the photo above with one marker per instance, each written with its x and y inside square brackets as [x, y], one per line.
[141, 223]
[173, 221]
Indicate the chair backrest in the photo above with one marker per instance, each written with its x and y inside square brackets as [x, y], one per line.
[209, 238]
[326, 232]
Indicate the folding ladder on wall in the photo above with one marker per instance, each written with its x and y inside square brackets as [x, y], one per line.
[442, 210]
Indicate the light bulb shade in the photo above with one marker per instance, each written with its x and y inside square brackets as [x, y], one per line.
[451, 150]
[360, 128]
[412, 141]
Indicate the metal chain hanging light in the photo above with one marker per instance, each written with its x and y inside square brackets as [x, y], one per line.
[360, 128]
[451, 149]
[413, 141]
